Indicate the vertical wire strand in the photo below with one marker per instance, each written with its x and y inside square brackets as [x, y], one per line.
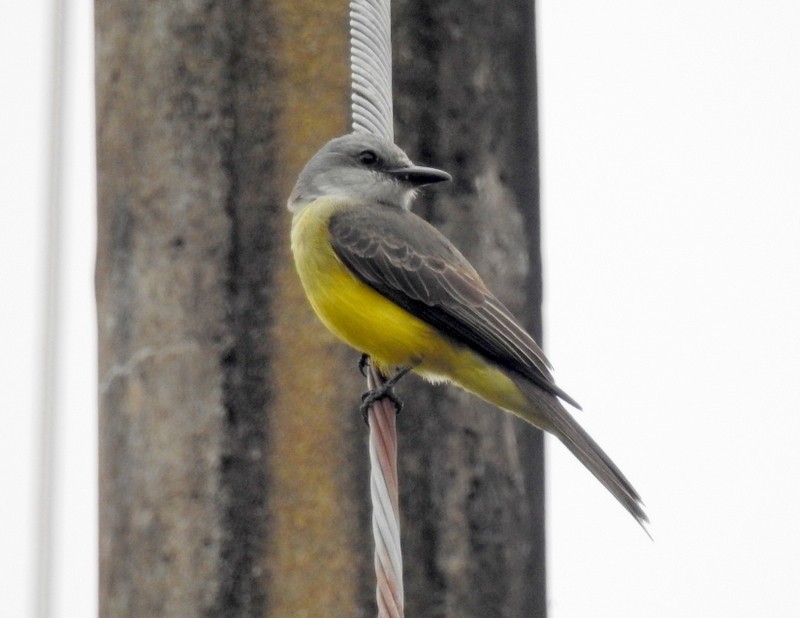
[46, 491]
[371, 76]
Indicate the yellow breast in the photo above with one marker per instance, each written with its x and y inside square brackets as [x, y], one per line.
[371, 323]
[353, 311]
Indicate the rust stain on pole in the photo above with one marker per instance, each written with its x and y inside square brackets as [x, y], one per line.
[232, 459]
[314, 544]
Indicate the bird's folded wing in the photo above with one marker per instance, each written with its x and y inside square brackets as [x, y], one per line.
[409, 262]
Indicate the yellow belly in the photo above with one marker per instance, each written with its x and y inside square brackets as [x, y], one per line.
[372, 324]
[353, 311]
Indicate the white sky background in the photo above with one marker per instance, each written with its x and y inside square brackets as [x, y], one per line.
[671, 188]
[25, 58]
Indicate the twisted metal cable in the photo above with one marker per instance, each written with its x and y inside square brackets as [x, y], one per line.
[385, 502]
[371, 74]
[371, 67]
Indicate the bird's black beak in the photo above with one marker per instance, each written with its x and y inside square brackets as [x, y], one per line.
[419, 176]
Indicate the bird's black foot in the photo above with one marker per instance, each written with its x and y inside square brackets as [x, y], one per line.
[385, 391]
[363, 363]
[370, 397]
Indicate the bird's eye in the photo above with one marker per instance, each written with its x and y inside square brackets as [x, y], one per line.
[367, 157]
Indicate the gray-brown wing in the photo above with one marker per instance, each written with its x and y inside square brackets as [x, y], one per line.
[408, 261]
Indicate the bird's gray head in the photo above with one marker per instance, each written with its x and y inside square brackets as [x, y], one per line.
[364, 167]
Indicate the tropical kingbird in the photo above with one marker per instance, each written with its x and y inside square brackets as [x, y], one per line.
[390, 285]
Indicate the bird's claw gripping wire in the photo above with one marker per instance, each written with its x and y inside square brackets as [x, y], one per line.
[363, 363]
[385, 391]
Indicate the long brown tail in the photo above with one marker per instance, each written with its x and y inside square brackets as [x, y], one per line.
[550, 415]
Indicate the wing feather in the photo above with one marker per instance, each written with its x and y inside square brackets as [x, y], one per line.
[407, 260]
